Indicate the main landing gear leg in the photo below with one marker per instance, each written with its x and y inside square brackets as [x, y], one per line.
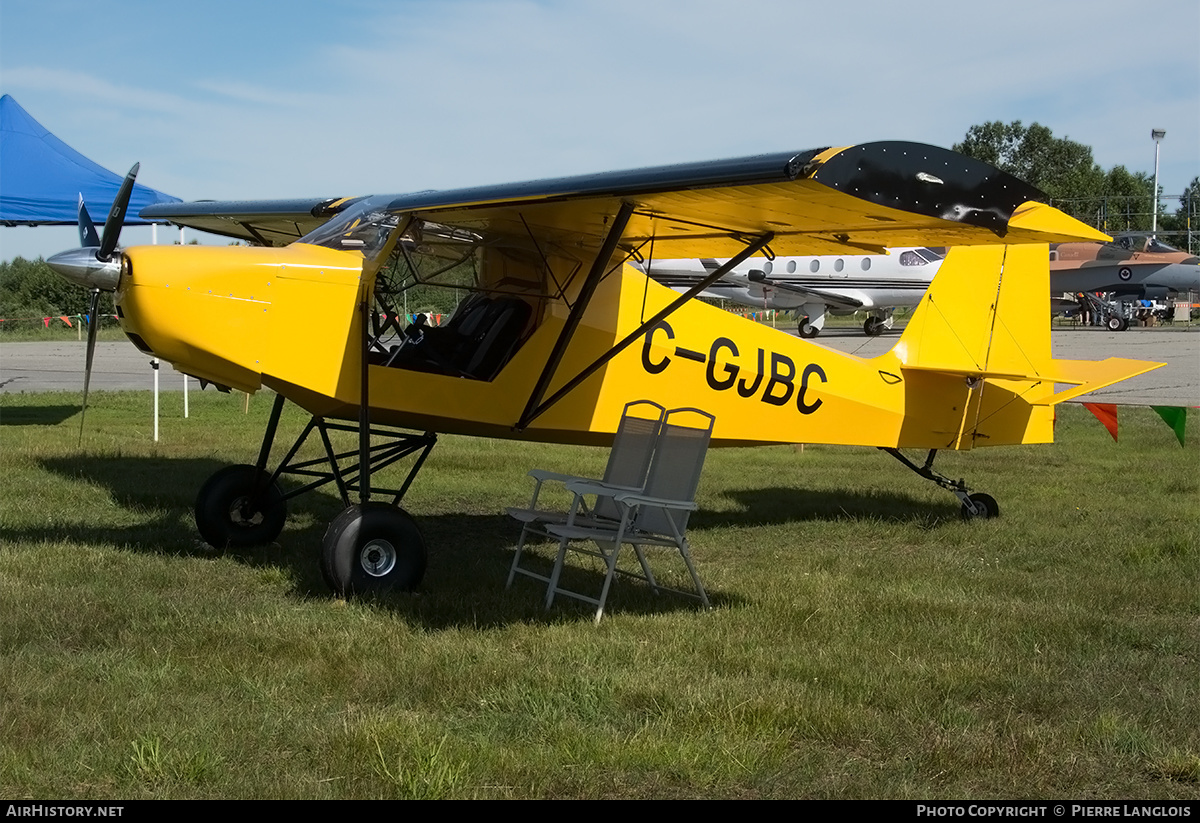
[975, 505]
[371, 547]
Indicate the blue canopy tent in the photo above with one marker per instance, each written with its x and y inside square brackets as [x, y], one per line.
[41, 177]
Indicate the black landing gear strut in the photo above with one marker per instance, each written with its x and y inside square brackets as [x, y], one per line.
[974, 504]
[371, 547]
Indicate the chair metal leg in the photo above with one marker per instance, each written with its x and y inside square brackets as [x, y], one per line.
[512, 572]
[552, 588]
[687, 559]
[610, 558]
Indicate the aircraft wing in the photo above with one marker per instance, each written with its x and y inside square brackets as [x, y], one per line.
[829, 298]
[261, 222]
[821, 201]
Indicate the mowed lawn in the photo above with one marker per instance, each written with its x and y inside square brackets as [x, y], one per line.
[865, 642]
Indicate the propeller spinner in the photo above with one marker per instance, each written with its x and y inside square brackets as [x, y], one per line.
[96, 266]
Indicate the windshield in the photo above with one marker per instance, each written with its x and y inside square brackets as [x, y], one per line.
[1131, 242]
[365, 230]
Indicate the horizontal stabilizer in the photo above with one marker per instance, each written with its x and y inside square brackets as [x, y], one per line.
[1090, 375]
[1083, 375]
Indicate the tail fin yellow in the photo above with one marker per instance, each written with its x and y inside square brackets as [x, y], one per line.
[983, 330]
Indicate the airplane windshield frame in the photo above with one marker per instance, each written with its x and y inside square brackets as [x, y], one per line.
[432, 254]
[365, 230]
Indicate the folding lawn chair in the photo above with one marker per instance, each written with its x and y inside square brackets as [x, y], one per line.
[655, 516]
[628, 462]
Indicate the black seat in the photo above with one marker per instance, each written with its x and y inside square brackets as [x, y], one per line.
[476, 342]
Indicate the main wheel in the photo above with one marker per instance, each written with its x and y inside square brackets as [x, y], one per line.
[981, 506]
[807, 330]
[373, 548]
[231, 512]
[873, 327]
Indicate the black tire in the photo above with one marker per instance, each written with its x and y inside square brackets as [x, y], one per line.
[807, 330]
[229, 515]
[373, 549]
[1116, 324]
[873, 327]
[985, 507]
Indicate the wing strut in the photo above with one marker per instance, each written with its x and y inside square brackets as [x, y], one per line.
[613, 237]
[532, 412]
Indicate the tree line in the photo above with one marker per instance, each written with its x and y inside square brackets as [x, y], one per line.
[1113, 200]
[31, 289]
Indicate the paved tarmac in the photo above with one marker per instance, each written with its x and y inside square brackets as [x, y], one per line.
[37, 367]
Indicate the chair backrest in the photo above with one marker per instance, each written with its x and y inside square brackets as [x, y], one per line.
[632, 449]
[674, 472]
[495, 338]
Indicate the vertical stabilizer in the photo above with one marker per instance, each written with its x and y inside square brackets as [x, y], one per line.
[976, 358]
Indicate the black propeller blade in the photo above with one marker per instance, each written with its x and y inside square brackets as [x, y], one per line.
[88, 238]
[93, 324]
[93, 265]
[116, 217]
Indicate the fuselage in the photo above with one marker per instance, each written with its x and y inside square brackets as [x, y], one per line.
[1148, 269]
[291, 319]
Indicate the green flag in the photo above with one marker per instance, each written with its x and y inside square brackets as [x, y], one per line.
[1175, 417]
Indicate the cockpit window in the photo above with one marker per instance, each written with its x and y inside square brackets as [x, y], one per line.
[468, 297]
[919, 257]
[364, 230]
[1153, 244]
[431, 254]
[1134, 243]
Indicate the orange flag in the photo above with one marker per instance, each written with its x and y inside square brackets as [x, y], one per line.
[1106, 413]
[66, 320]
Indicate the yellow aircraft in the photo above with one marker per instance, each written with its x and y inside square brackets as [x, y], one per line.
[556, 331]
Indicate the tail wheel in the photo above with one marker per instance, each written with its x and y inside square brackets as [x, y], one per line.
[373, 548]
[980, 506]
[232, 511]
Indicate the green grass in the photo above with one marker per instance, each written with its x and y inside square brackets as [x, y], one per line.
[864, 643]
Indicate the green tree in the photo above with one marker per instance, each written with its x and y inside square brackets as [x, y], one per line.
[1128, 201]
[1182, 228]
[30, 288]
[1060, 167]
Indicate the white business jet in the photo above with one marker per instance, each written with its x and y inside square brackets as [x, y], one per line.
[815, 286]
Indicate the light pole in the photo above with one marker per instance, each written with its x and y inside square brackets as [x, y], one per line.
[1158, 135]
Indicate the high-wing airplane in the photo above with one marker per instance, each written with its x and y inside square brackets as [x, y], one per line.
[815, 285]
[557, 331]
[1129, 268]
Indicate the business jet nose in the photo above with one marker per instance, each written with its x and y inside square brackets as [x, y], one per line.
[83, 267]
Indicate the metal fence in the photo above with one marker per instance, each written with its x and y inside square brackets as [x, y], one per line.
[1178, 217]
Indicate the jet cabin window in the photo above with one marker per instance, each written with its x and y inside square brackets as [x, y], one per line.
[473, 298]
[919, 257]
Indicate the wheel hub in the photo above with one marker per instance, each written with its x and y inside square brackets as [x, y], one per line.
[377, 557]
[242, 513]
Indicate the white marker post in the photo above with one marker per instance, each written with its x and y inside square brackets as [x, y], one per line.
[154, 365]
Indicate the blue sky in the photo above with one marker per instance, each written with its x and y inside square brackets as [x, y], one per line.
[242, 100]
